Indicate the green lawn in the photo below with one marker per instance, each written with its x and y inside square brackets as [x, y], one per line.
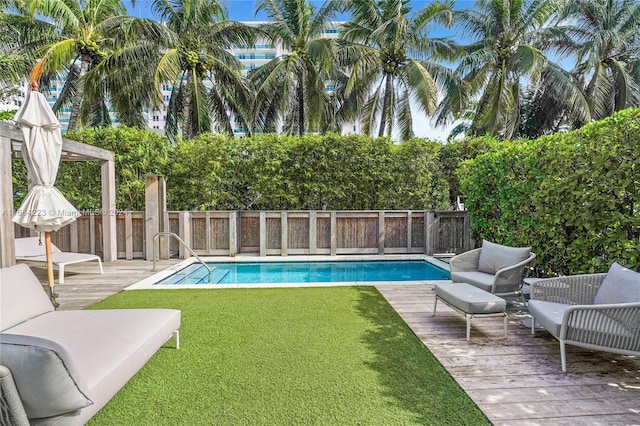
[304, 356]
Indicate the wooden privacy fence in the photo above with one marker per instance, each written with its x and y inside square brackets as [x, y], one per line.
[266, 233]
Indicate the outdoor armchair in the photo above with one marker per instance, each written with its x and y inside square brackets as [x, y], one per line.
[494, 268]
[594, 311]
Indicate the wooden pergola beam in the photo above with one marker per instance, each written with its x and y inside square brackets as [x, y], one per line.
[10, 145]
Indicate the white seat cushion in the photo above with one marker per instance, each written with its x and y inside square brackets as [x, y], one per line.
[470, 299]
[481, 280]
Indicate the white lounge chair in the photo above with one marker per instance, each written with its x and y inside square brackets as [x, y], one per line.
[29, 250]
[594, 311]
[494, 268]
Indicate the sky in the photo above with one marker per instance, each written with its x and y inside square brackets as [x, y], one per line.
[244, 10]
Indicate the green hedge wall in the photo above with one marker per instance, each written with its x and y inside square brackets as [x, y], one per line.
[332, 172]
[574, 197]
[459, 150]
[264, 172]
[137, 152]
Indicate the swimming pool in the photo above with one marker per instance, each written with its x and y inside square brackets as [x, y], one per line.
[289, 272]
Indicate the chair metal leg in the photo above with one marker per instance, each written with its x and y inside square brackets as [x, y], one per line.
[505, 325]
[468, 326]
[434, 306]
[563, 356]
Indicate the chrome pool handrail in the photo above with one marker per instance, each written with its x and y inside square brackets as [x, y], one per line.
[181, 241]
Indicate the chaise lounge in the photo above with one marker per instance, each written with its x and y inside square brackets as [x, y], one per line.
[30, 250]
[66, 365]
[594, 311]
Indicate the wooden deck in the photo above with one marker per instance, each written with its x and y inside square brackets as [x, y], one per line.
[84, 286]
[514, 381]
[518, 380]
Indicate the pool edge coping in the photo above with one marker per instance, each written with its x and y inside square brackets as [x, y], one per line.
[149, 283]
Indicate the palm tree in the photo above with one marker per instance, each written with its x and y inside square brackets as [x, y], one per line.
[207, 85]
[17, 33]
[606, 42]
[86, 35]
[291, 88]
[506, 58]
[390, 61]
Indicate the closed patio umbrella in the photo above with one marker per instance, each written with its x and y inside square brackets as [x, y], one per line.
[44, 209]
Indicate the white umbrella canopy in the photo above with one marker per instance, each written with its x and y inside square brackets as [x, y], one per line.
[44, 209]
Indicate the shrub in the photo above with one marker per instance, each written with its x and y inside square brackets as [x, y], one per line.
[137, 152]
[270, 172]
[459, 150]
[574, 197]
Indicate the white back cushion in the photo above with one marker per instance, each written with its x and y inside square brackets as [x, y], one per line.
[21, 296]
[494, 257]
[621, 285]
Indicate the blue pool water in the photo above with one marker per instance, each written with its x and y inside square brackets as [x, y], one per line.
[307, 272]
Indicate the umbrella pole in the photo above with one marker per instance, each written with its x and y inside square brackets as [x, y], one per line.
[47, 247]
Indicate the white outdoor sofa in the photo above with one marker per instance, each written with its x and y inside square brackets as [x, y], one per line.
[594, 311]
[63, 366]
[30, 250]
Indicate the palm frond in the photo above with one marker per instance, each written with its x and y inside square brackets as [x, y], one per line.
[423, 87]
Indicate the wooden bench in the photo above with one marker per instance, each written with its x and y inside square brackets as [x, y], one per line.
[471, 302]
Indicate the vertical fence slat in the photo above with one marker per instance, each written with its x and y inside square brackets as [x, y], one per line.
[313, 232]
[128, 236]
[233, 234]
[185, 225]
[92, 233]
[73, 233]
[263, 233]
[284, 225]
[334, 236]
[466, 239]
[381, 232]
[207, 230]
[409, 229]
[429, 225]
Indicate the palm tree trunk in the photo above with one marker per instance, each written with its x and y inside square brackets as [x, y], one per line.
[300, 107]
[187, 125]
[385, 105]
[77, 99]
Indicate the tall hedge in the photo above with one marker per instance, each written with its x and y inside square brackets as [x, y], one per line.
[574, 197]
[137, 152]
[270, 172]
[459, 150]
[264, 172]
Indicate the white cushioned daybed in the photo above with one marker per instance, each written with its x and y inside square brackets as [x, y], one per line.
[66, 365]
